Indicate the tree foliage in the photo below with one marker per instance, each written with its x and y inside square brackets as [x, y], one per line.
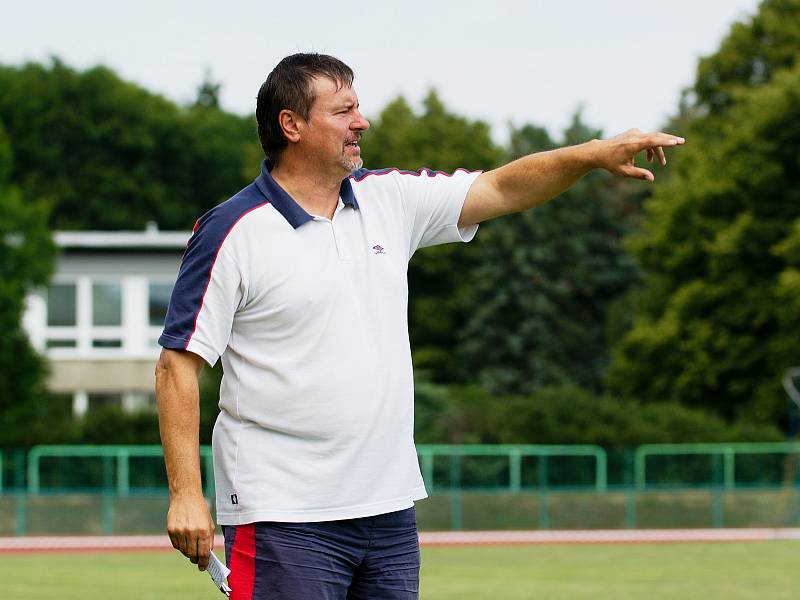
[526, 303]
[108, 154]
[434, 138]
[26, 258]
[208, 92]
[541, 288]
[750, 55]
[717, 321]
[567, 414]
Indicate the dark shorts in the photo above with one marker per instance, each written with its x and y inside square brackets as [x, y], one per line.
[369, 558]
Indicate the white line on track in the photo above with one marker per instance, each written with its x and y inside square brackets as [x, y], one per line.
[427, 538]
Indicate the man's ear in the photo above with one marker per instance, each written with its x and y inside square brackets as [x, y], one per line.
[290, 123]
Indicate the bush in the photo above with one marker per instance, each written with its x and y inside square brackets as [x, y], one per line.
[113, 426]
[568, 415]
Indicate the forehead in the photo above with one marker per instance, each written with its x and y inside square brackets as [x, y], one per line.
[328, 92]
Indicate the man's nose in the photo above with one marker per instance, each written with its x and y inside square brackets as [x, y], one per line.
[360, 123]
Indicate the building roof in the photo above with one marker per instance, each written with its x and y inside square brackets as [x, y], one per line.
[150, 238]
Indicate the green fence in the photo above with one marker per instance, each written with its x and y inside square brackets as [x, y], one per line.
[513, 468]
[715, 465]
[122, 489]
[113, 463]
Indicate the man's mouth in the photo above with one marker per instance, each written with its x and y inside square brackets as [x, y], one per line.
[354, 144]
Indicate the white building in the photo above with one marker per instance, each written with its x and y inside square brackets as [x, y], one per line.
[99, 319]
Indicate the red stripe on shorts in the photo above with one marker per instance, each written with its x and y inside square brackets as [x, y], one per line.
[243, 563]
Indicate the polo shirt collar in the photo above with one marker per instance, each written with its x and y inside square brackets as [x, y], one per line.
[286, 205]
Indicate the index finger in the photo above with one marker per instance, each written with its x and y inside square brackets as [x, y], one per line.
[204, 545]
[179, 542]
[663, 139]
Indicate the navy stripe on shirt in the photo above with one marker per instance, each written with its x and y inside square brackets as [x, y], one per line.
[197, 263]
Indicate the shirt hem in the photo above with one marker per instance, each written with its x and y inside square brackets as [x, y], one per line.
[203, 351]
[316, 515]
[172, 342]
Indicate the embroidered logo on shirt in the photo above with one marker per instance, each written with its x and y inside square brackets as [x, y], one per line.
[234, 499]
[378, 249]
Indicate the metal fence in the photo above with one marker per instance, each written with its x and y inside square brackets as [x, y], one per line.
[122, 489]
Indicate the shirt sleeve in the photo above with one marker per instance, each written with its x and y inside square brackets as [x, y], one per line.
[206, 296]
[433, 201]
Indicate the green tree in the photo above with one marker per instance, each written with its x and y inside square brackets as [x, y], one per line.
[542, 285]
[716, 323]
[108, 154]
[438, 139]
[208, 92]
[434, 138]
[750, 55]
[26, 258]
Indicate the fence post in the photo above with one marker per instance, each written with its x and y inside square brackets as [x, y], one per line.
[630, 490]
[514, 470]
[729, 467]
[427, 470]
[108, 512]
[456, 522]
[20, 497]
[33, 470]
[544, 509]
[717, 508]
[108, 495]
[123, 472]
[639, 476]
[19, 469]
[19, 492]
[601, 470]
[210, 485]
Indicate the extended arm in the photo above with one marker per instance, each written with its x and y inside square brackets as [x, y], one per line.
[189, 522]
[536, 178]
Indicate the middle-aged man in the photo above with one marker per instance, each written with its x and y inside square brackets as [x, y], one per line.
[298, 283]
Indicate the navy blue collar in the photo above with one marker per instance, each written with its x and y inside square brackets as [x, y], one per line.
[286, 205]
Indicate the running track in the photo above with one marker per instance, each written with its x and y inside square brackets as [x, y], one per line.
[36, 544]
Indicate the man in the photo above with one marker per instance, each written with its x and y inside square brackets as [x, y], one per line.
[298, 283]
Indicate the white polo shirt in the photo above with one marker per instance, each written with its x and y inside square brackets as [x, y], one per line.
[309, 316]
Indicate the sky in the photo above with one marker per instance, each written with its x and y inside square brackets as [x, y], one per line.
[518, 62]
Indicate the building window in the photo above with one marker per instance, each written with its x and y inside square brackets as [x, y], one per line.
[52, 343]
[106, 304]
[159, 294]
[99, 316]
[61, 304]
[107, 343]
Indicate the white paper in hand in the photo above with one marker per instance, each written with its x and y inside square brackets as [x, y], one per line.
[219, 573]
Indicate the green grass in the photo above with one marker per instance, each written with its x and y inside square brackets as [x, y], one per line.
[668, 571]
[731, 571]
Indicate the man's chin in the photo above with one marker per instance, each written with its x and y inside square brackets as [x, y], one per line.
[353, 164]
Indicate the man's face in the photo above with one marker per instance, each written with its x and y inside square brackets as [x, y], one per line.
[334, 127]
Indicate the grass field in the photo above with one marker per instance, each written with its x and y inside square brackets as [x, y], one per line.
[731, 571]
